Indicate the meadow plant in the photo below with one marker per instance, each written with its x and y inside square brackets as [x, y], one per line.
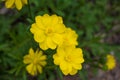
[48, 40]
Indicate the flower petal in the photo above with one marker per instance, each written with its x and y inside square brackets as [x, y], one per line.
[43, 57]
[56, 59]
[50, 43]
[18, 4]
[31, 52]
[63, 65]
[39, 68]
[57, 38]
[24, 1]
[73, 72]
[9, 3]
[38, 20]
[46, 20]
[27, 59]
[65, 72]
[77, 66]
[31, 69]
[59, 28]
[39, 35]
[56, 19]
[43, 63]
[43, 45]
[34, 28]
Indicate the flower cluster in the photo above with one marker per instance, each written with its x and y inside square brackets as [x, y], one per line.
[111, 62]
[15, 3]
[35, 61]
[50, 32]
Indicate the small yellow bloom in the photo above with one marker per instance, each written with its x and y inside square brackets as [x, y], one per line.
[111, 62]
[69, 39]
[48, 31]
[69, 60]
[17, 3]
[35, 61]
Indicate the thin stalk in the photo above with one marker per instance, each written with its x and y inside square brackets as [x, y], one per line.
[29, 8]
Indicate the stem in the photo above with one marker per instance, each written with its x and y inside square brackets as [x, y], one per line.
[29, 8]
[50, 67]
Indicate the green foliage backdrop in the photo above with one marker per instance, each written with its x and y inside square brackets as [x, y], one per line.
[93, 20]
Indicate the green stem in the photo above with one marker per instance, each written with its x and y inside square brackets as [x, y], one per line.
[29, 8]
[51, 67]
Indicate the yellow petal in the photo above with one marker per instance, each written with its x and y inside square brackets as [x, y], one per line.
[9, 3]
[56, 59]
[27, 59]
[39, 53]
[73, 72]
[43, 45]
[77, 66]
[59, 28]
[43, 63]
[31, 69]
[79, 51]
[50, 43]
[38, 20]
[39, 37]
[43, 57]
[78, 60]
[66, 68]
[39, 68]
[65, 72]
[31, 52]
[60, 19]
[25, 1]
[54, 20]
[61, 51]
[70, 37]
[34, 28]
[57, 38]
[63, 65]
[43, 21]
[18, 4]
[46, 20]
[69, 68]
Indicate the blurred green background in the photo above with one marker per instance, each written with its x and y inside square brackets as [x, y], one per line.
[97, 22]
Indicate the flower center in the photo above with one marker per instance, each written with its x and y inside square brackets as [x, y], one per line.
[68, 58]
[49, 31]
[35, 61]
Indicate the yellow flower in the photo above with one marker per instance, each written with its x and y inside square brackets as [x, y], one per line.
[17, 3]
[69, 39]
[111, 62]
[48, 31]
[35, 61]
[69, 60]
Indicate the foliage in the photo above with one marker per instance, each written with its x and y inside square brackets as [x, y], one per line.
[94, 22]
